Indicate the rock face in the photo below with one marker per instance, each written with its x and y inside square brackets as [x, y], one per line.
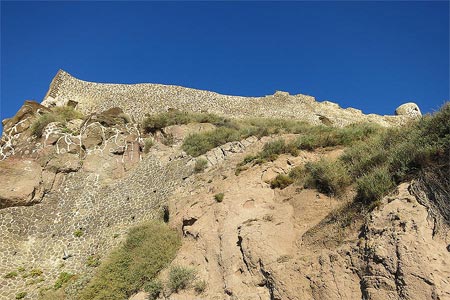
[260, 243]
[90, 176]
[408, 109]
[15, 128]
[403, 257]
[20, 182]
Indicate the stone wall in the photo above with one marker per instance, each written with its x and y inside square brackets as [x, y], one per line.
[139, 99]
[43, 236]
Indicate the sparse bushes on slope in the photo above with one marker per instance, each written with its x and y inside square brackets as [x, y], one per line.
[200, 165]
[200, 143]
[62, 280]
[395, 155]
[379, 159]
[311, 138]
[322, 136]
[154, 288]
[281, 181]
[61, 114]
[374, 185]
[148, 144]
[180, 278]
[148, 249]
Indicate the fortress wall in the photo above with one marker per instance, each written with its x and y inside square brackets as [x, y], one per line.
[140, 99]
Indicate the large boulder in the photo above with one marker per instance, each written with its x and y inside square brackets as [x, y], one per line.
[23, 118]
[110, 117]
[20, 182]
[408, 109]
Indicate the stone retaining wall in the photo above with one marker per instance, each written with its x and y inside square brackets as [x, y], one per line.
[41, 236]
[139, 99]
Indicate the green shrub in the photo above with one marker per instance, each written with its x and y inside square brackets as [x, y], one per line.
[168, 140]
[38, 126]
[12, 274]
[312, 137]
[364, 156]
[297, 174]
[281, 181]
[374, 185]
[63, 279]
[324, 136]
[199, 143]
[148, 143]
[180, 278]
[329, 177]
[271, 151]
[78, 233]
[21, 295]
[267, 126]
[200, 286]
[148, 249]
[61, 114]
[93, 261]
[36, 272]
[219, 197]
[200, 165]
[153, 288]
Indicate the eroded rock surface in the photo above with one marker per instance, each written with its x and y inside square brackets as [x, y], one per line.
[260, 243]
[20, 182]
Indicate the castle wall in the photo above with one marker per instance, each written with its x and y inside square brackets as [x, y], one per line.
[140, 99]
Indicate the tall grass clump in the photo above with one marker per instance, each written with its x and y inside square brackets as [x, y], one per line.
[323, 136]
[147, 250]
[374, 185]
[180, 278]
[200, 165]
[328, 176]
[199, 143]
[61, 114]
[311, 138]
[281, 181]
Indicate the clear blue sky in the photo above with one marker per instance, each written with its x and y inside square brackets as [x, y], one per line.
[369, 55]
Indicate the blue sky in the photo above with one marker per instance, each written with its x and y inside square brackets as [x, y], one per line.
[369, 55]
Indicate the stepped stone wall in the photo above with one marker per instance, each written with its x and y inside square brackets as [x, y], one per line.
[139, 99]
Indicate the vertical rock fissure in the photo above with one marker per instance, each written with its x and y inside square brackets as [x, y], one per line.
[268, 281]
[239, 244]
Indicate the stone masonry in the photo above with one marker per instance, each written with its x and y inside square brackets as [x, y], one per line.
[140, 99]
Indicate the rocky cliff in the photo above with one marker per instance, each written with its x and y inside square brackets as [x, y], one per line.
[74, 181]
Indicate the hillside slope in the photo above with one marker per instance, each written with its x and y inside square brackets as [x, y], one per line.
[256, 217]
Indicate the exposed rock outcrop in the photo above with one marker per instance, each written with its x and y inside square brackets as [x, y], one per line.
[20, 181]
[264, 244]
[408, 109]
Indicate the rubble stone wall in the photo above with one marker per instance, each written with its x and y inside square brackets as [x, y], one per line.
[140, 99]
